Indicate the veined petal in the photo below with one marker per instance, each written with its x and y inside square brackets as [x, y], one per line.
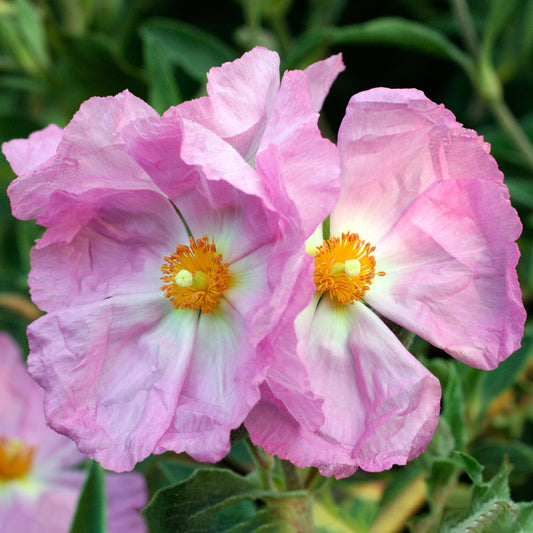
[450, 272]
[90, 155]
[393, 145]
[320, 76]
[307, 163]
[241, 94]
[112, 372]
[96, 248]
[381, 405]
[25, 155]
[221, 387]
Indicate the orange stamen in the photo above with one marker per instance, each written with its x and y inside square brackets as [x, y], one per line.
[195, 276]
[16, 459]
[345, 268]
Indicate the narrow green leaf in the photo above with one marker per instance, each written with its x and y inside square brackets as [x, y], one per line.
[91, 512]
[163, 90]
[187, 46]
[454, 407]
[499, 13]
[392, 31]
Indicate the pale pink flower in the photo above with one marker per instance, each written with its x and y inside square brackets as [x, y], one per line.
[423, 234]
[130, 368]
[39, 486]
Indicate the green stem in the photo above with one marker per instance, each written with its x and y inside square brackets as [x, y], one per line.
[466, 25]
[252, 13]
[292, 480]
[512, 127]
[263, 462]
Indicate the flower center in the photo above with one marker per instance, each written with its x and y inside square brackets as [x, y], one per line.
[345, 268]
[195, 276]
[16, 459]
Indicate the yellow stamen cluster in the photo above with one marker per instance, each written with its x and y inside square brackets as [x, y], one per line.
[16, 459]
[345, 268]
[195, 276]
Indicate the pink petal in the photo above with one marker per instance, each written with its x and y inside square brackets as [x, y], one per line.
[241, 94]
[179, 154]
[308, 164]
[112, 372]
[380, 407]
[222, 386]
[450, 272]
[393, 145]
[95, 249]
[25, 155]
[127, 495]
[320, 76]
[89, 156]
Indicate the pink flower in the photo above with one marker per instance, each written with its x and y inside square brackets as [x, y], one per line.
[155, 340]
[423, 234]
[39, 488]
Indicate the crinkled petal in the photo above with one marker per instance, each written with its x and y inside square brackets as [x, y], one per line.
[100, 247]
[320, 76]
[90, 155]
[221, 387]
[381, 406]
[25, 155]
[241, 94]
[112, 372]
[180, 154]
[450, 266]
[393, 145]
[308, 164]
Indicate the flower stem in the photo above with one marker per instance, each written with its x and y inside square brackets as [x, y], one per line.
[512, 127]
[263, 462]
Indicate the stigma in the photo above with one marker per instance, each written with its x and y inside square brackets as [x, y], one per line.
[345, 268]
[195, 276]
[16, 459]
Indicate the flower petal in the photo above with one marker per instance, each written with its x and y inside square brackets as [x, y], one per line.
[394, 144]
[103, 247]
[307, 163]
[381, 406]
[113, 372]
[450, 272]
[222, 386]
[241, 94]
[320, 76]
[90, 155]
[25, 155]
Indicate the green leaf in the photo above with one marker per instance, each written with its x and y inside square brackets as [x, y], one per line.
[499, 13]
[91, 512]
[492, 452]
[192, 505]
[392, 31]
[215, 500]
[163, 90]
[454, 407]
[491, 509]
[187, 46]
